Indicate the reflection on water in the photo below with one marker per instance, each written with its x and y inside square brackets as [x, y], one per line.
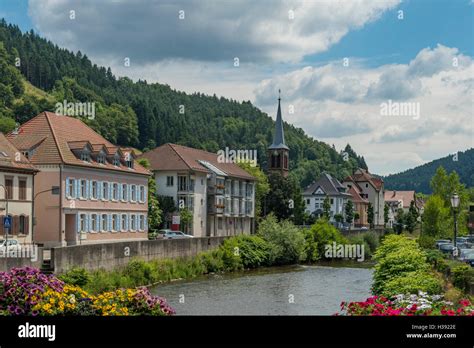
[315, 290]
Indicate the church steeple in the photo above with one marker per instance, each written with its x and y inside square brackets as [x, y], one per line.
[278, 151]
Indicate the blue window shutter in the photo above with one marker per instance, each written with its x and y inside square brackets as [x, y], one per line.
[87, 189]
[78, 222]
[145, 216]
[87, 222]
[120, 191]
[109, 222]
[99, 189]
[145, 197]
[126, 222]
[126, 193]
[110, 191]
[137, 223]
[129, 193]
[77, 187]
[67, 188]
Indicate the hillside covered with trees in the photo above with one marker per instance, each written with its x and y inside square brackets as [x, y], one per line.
[418, 178]
[35, 74]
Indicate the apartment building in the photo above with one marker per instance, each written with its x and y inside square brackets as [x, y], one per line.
[16, 192]
[220, 196]
[372, 189]
[88, 190]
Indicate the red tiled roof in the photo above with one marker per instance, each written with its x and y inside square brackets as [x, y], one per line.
[356, 197]
[57, 133]
[362, 175]
[405, 196]
[174, 157]
[12, 159]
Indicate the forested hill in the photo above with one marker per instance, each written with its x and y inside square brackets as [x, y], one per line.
[418, 178]
[145, 115]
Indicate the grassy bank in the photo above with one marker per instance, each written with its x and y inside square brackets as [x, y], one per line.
[275, 244]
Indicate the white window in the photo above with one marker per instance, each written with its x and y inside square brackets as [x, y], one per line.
[124, 192]
[115, 191]
[169, 180]
[105, 191]
[85, 156]
[72, 188]
[103, 223]
[95, 189]
[142, 222]
[94, 223]
[134, 193]
[82, 223]
[124, 222]
[129, 163]
[83, 189]
[133, 222]
[115, 223]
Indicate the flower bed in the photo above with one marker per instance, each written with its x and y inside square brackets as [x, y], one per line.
[407, 305]
[26, 291]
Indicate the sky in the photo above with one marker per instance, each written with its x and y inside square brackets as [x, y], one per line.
[392, 78]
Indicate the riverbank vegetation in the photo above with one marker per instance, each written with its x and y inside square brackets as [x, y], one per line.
[275, 244]
[409, 280]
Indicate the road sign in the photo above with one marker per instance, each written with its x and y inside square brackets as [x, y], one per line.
[7, 222]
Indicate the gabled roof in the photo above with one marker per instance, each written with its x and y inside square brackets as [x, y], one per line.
[404, 196]
[279, 136]
[362, 175]
[172, 157]
[356, 195]
[12, 159]
[58, 132]
[331, 186]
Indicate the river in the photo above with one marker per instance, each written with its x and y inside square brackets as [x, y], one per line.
[293, 290]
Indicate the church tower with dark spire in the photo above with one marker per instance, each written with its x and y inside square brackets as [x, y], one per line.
[278, 152]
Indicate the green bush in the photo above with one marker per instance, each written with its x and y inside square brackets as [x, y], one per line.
[254, 251]
[372, 239]
[286, 241]
[76, 276]
[323, 233]
[397, 256]
[411, 283]
[462, 275]
[138, 272]
[427, 242]
[361, 241]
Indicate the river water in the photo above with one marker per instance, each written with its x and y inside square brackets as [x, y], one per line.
[294, 290]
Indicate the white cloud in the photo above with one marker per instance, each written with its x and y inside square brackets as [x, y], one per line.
[210, 31]
[341, 105]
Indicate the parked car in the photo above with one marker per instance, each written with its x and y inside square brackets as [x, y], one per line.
[10, 244]
[466, 254]
[364, 228]
[169, 234]
[184, 235]
[470, 238]
[442, 241]
[446, 248]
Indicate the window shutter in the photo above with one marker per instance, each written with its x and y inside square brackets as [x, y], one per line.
[145, 197]
[126, 222]
[120, 191]
[78, 222]
[145, 217]
[77, 187]
[27, 225]
[87, 222]
[15, 224]
[88, 189]
[109, 222]
[129, 193]
[67, 188]
[99, 189]
[126, 193]
[110, 191]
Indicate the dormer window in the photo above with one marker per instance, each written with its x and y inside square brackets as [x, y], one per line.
[129, 163]
[101, 158]
[85, 156]
[116, 161]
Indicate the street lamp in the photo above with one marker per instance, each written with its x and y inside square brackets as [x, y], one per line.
[455, 204]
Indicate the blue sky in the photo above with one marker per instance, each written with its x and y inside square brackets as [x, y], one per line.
[427, 58]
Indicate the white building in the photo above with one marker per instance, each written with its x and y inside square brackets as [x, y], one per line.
[16, 192]
[326, 186]
[220, 196]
